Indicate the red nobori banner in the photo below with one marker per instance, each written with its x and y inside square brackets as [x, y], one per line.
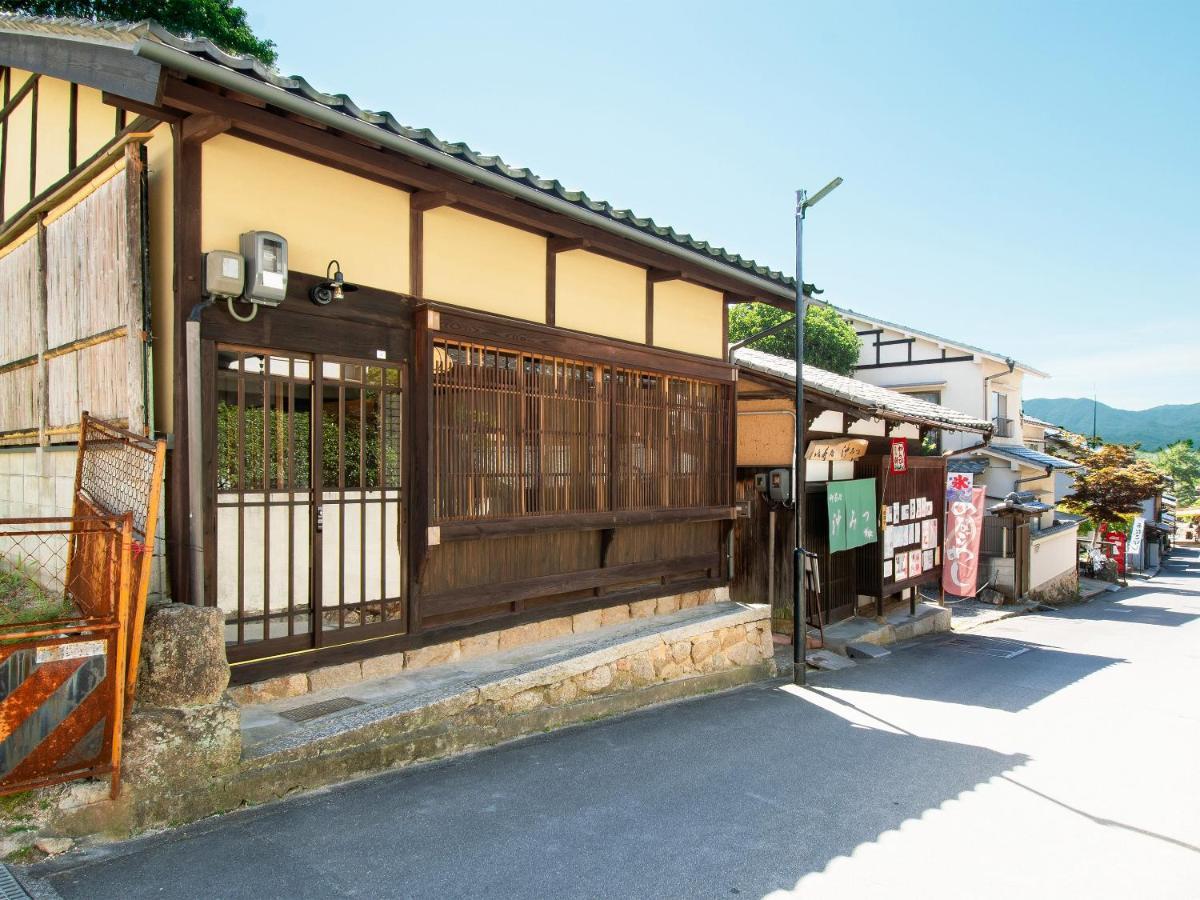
[964, 525]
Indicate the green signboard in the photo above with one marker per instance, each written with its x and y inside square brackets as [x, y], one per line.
[852, 514]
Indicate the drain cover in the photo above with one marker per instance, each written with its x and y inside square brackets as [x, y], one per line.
[321, 708]
[9, 888]
[988, 646]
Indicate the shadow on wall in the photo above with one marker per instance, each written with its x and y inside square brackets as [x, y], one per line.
[761, 785]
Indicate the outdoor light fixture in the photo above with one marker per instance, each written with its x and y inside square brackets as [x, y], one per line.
[334, 287]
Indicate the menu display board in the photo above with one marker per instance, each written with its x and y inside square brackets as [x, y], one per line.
[910, 538]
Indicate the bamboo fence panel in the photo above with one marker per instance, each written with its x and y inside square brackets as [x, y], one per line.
[71, 299]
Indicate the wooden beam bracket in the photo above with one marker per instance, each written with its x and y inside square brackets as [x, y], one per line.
[423, 201]
[200, 128]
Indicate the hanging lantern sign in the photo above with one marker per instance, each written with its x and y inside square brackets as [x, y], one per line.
[899, 455]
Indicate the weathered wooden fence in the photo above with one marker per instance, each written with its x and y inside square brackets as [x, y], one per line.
[74, 307]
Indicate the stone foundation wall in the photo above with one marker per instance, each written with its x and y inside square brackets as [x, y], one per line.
[185, 761]
[1064, 586]
[384, 665]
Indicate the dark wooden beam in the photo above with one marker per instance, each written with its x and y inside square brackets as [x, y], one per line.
[564, 245]
[394, 167]
[551, 282]
[422, 201]
[200, 128]
[654, 276]
[143, 109]
[601, 521]
[187, 295]
[649, 309]
[416, 251]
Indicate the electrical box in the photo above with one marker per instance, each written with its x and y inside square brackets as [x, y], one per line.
[266, 267]
[224, 273]
[761, 483]
[780, 485]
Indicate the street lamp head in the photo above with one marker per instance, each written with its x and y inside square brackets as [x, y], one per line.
[816, 198]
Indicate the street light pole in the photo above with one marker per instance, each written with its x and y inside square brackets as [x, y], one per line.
[799, 610]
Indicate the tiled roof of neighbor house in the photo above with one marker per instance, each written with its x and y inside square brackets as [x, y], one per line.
[875, 320]
[1031, 457]
[872, 398]
[1025, 417]
[967, 465]
[130, 34]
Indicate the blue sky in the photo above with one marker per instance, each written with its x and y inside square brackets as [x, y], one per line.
[1022, 176]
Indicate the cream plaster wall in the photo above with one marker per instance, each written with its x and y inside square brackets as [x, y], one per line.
[476, 262]
[688, 317]
[323, 213]
[600, 295]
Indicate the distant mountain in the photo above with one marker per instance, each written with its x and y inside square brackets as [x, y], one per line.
[1154, 428]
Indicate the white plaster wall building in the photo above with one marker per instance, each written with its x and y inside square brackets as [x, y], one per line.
[989, 385]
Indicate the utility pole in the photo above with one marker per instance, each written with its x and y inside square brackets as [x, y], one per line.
[799, 606]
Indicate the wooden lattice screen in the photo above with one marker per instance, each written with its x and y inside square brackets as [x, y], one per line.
[73, 306]
[521, 433]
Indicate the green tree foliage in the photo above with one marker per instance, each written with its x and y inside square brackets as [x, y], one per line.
[829, 340]
[218, 20]
[1112, 483]
[1181, 463]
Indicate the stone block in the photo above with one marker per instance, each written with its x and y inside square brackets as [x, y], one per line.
[660, 655]
[433, 655]
[277, 688]
[612, 615]
[479, 645]
[704, 647]
[735, 634]
[596, 680]
[525, 701]
[743, 653]
[643, 609]
[641, 668]
[720, 594]
[383, 666]
[555, 628]
[665, 605]
[586, 621]
[562, 692]
[519, 636]
[331, 677]
[183, 657]
[689, 600]
[165, 747]
[671, 670]
[681, 650]
[52, 846]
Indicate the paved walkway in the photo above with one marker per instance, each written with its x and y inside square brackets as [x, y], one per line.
[1051, 754]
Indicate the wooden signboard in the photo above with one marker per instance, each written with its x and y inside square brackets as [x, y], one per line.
[836, 449]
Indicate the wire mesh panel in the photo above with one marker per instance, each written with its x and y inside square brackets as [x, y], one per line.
[121, 472]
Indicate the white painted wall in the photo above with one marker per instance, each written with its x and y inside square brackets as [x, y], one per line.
[1052, 555]
[961, 383]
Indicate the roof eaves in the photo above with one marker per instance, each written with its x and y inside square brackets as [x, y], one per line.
[772, 281]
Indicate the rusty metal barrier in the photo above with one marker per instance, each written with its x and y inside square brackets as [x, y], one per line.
[117, 472]
[62, 674]
[68, 664]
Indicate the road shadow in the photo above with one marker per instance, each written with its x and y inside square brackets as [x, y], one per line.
[738, 793]
[976, 670]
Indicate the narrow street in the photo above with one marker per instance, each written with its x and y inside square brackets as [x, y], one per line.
[951, 768]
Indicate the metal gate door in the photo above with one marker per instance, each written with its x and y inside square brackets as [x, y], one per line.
[307, 469]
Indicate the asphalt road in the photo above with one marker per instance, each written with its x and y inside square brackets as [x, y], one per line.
[944, 770]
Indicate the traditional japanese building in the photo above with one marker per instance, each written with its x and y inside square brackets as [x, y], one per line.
[412, 393]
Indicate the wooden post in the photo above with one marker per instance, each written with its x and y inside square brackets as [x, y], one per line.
[40, 335]
[133, 314]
